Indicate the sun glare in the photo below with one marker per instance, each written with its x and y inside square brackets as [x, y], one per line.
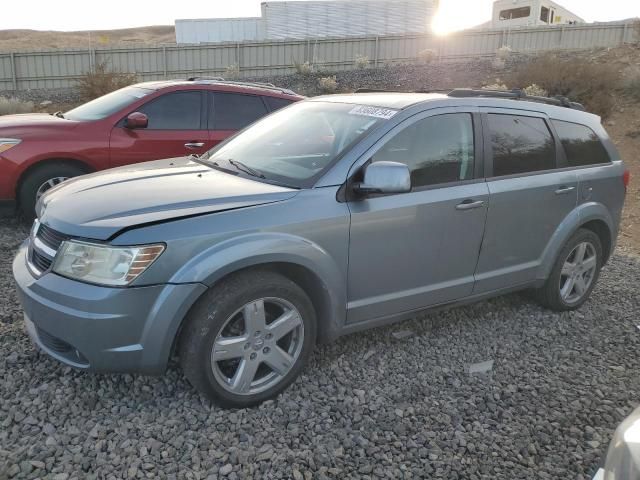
[454, 15]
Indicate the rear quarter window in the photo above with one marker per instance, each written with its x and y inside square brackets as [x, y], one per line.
[275, 103]
[581, 144]
[234, 111]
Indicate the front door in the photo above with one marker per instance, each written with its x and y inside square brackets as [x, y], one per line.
[177, 127]
[417, 249]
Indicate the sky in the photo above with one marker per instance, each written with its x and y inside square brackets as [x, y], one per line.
[82, 15]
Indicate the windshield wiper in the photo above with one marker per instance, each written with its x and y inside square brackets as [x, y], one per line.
[58, 114]
[246, 169]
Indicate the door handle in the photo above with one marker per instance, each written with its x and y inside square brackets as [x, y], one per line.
[194, 145]
[469, 205]
[565, 190]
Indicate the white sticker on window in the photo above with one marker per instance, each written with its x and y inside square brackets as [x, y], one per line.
[375, 112]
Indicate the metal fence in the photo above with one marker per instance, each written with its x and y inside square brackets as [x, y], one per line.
[62, 68]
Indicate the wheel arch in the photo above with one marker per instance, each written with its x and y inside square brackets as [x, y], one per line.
[591, 216]
[48, 161]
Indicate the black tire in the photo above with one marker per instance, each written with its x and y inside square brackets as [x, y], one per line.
[37, 177]
[210, 315]
[550, 295]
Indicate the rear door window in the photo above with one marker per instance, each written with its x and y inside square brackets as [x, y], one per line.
[234, 111]
[581, 144]
[520, 145]
[174, 111]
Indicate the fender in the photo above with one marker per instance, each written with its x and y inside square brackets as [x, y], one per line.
[580, 215]
[262, 248]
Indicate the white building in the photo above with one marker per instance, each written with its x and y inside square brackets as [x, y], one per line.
[525, 13]
[314, 19]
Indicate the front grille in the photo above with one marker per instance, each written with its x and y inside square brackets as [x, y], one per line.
[50, 237]
[40, 261]
[45, 242]
[53, 343]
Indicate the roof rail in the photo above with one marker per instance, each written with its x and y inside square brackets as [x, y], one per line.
[515, 94]
[222, 81]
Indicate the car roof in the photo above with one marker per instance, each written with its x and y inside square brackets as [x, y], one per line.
[401, 101]
[221, 85]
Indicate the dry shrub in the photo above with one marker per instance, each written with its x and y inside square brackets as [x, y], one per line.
[578, 79]
[361, 62]
[504, 52]
[305, 68]
[232, 72]
[102, 81]
[328, 84]
[631, 85]
[535, 90]
[9, 106]
[496, 86]
[428, 55]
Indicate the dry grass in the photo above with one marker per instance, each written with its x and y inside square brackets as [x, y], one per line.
[9, 106]
[102, 81]
[583, 81]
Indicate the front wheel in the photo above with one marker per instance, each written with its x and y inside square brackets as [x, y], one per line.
[574, 274]
[248, 338]
[42, 179]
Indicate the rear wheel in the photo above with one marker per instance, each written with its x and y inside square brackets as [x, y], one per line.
[248, 338]
[42, 179]
[574, 274]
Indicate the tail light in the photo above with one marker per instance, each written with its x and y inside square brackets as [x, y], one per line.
[626, 178]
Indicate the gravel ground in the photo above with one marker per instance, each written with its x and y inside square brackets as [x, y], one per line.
[395, 402]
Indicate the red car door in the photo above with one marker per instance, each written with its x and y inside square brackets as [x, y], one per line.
[177, 127]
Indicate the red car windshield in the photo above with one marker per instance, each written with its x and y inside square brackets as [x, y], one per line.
[104, 106]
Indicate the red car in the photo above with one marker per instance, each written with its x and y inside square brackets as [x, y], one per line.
[147, 121]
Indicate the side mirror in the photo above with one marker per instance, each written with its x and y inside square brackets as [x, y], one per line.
[385, 177]
[136, 120]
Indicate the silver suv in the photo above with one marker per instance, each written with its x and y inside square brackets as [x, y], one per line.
[330, 216]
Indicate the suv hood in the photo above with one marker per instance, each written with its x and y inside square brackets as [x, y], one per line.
[99, 205]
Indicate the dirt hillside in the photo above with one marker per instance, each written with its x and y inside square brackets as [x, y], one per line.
[13, 40]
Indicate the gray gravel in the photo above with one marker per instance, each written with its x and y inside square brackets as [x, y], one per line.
[368, 406]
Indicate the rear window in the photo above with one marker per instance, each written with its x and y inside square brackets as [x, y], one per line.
[520, 145]
[581, 144]
[275, 103]
[234, 111]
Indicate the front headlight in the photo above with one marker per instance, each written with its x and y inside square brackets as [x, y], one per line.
[7, 143]
[104, 264]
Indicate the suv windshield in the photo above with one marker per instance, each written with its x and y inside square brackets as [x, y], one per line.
[296, 145]
[104, 106]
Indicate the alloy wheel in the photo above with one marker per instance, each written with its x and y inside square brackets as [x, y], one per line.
[578, 272]
[257, 346]
[49, 184]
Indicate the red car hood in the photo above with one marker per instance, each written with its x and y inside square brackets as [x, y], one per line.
[27, 121]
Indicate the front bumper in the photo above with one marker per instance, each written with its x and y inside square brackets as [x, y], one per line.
[101, 328]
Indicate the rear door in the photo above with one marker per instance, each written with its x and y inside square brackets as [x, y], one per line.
[177, 127]
[412, 250]
[230, 112]
[528, 196]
